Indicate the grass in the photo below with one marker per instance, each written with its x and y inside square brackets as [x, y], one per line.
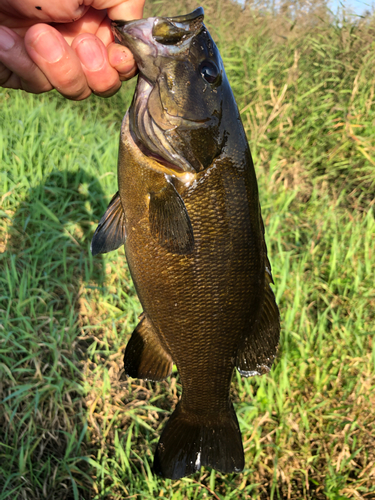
[72, 426]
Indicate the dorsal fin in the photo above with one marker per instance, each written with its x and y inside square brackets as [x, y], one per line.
[259, 348]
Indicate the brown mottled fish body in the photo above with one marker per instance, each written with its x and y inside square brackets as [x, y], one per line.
[188, 209]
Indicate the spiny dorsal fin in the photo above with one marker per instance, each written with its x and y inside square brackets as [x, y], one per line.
[169, 221]
[259, 348]
[110, 233]
[145, 357]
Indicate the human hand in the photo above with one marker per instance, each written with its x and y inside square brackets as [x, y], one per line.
[67, 45]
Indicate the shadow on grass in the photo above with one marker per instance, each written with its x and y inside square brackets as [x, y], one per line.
[67, 413]
[46, 266]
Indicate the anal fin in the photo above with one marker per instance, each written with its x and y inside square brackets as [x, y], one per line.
[110, 233]
[169, 220]
[145, 357]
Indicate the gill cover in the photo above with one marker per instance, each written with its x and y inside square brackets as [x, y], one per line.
[176, 112]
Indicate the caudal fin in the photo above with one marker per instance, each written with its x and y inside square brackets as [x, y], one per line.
[190, 441]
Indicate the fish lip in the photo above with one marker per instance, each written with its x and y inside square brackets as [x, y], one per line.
[192, 16]
[121, 28]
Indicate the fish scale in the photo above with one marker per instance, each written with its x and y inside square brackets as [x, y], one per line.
[181, 286]
[194, 240]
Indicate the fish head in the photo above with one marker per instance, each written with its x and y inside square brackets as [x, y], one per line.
[176, 114]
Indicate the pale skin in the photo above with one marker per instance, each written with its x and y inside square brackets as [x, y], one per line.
[66, 45]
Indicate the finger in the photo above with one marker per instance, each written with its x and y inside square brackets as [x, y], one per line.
[122, 60]
[58, 61]
[25, 13]
[101, 77]
[89, 23]
[17, 70]
[14, 82]
[120, 9]
[5, 74]
[104, 31]
[119, 56]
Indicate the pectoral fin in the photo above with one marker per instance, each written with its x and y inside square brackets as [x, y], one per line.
[110, 233]
[169, 221]
[145, 357]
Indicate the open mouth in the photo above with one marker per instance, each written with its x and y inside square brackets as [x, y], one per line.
[163, 30]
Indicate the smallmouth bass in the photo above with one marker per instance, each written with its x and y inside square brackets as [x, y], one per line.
[188, 213]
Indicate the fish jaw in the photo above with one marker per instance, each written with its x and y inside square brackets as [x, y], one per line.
[137, 36]
[152, 135]
[156, 37]
[176, 112]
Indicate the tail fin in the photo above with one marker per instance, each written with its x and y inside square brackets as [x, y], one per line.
[190, 441]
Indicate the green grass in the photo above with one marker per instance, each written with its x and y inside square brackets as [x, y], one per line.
[72, 426]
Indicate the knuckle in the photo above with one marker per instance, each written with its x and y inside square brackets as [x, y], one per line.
[40, 89]
[79, 96]
[105, 86]
[107, 92]
[127, 76]
[71, 86]
[36, 82]
[5, 74]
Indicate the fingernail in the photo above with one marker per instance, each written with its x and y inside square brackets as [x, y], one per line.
[6, 40]
[48, 46]
[90, 54]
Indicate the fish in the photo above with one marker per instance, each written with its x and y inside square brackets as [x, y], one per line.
[187, 211]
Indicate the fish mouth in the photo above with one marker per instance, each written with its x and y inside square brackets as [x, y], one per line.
[188, 22]
[194, 17]
[165, 31]
[174, 30]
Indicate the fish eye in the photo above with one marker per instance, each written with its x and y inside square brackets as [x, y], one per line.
[209, 71]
